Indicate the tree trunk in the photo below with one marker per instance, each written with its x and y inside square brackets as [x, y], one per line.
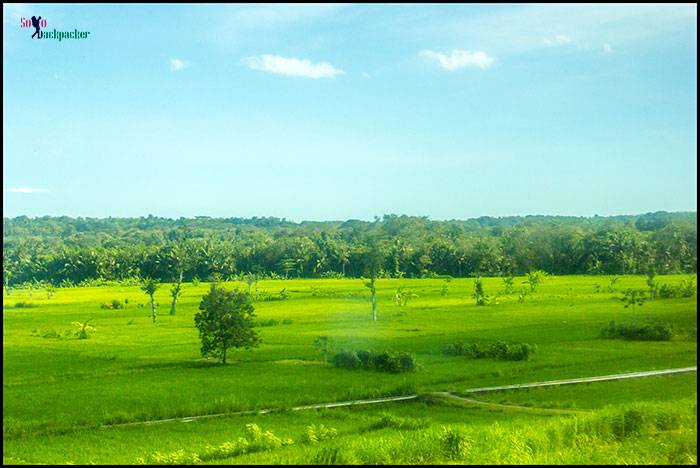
[153, 309]
[223, 357]
[176, 294]
[374, 298]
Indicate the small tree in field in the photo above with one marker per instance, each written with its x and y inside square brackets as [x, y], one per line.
[634, 298]
[651, 283]
[150, 286]
[325, 345]
[479, 294]
[225, 320]
[534, 278]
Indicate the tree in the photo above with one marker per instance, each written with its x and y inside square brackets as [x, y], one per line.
[150, 286]
[178, 258]
[634, 297]
[325, 345]
[479, 294]
[534, 278]
[508, 284]
[225, 320]
[651, 273]
[373, 259]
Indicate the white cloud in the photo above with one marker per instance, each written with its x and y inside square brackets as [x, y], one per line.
[460, 59]
[558, 40]
[291, 66]
[177, 64]
[26, 190]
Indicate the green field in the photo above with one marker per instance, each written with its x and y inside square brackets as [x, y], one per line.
[59, 392]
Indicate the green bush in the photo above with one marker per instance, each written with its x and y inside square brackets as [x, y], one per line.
[498, 350]
[314, 434]
[454, 444]
[25, 305]
[642, 331]
[385, 361]
[347, 360]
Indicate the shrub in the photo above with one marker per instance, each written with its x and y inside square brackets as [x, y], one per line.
[25, 305]
[454, 444]
[645, 331]
[117, 304]
[498, 350]
[396, 422]
[347, 360]
[385, 361]
[314, 434]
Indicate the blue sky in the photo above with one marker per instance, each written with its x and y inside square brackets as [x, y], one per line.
[350, 111]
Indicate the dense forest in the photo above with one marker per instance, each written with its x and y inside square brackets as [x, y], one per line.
[66, 251]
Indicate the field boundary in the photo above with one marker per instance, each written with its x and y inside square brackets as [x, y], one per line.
[600, 378]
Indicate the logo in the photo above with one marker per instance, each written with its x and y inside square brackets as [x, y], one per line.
[38, 22]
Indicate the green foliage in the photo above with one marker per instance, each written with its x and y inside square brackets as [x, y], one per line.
[384, 362]
[389, 420]
[225, 320]
[83, 329]
[479, 295]
[403, 295]
[314, 434]
[687, 288]
[534, 278]
[454, 443]
[255, 440]
[149, 286]
[324, 345]
[508, 284]
[647, 331]
[497, 350]
[25, 305]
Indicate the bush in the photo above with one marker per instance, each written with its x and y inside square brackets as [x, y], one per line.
[644, 331]
[347, 360]
[314, 434]
[396, 422]
[117, 304]
[687, 288]
[25, 305]
[384, 362]
[454, 444]
[498, 350]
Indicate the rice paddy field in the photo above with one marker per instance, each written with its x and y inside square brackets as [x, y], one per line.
[70, 400]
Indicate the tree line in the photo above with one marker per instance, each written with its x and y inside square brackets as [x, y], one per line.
[67, 251]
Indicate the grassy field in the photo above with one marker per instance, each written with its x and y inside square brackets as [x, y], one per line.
[59, 391]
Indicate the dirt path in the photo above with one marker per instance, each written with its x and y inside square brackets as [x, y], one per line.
[601, 378]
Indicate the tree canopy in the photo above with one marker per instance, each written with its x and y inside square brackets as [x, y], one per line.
[65, 251]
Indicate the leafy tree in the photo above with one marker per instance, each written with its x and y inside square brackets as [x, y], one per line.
[634, 298]
[324, 345]
[508, 284]
[225, 320]
[403, 295]
[479, 294]
[651, 273]
[150, 286]
[373, 258]
[50, 291]
[534, 278]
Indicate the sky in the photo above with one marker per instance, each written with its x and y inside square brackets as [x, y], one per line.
[335, 112]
